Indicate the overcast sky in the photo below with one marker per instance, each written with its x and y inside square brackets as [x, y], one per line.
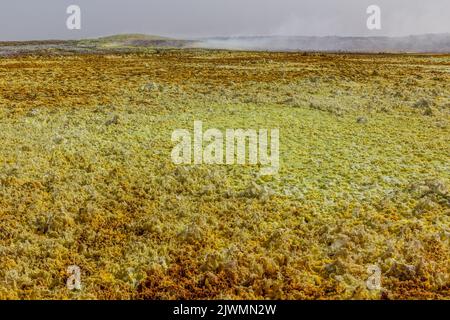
[46, 19]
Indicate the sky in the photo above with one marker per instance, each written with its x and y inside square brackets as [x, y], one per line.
[46, 19]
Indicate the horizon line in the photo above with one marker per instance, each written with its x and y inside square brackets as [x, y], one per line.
[228, 36]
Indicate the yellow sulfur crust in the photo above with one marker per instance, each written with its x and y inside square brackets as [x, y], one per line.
[86, 176]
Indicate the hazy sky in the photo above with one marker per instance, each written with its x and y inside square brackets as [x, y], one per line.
[45, 19]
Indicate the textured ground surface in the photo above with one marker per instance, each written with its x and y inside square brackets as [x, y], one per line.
[86, 176]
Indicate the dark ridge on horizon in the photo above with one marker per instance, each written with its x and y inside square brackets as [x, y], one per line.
[424, 43]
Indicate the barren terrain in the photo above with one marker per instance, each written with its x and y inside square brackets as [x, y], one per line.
[86, 176]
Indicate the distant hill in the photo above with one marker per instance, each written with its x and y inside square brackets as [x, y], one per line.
[132, 37]
[135, 40]
[428, 43]
[114, 43]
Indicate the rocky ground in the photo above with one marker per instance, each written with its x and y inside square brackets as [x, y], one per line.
[86, 176]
